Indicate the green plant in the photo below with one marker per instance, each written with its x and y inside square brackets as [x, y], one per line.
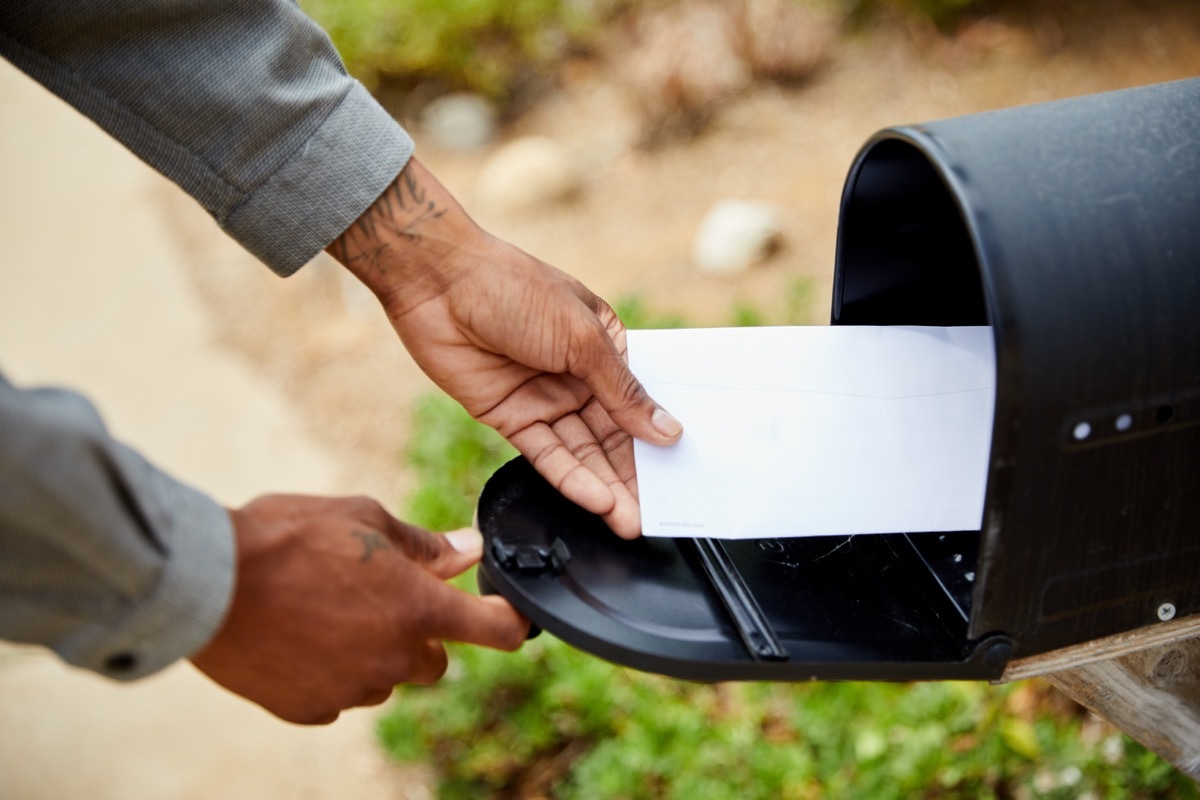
[485, 45]
[495, 46]
[452, 455]
[634, 313]
[550, 721]
[796, 308]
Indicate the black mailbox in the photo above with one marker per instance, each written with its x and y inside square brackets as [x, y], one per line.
[1073, 229]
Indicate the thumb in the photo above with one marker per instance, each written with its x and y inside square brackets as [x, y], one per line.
[443, 556]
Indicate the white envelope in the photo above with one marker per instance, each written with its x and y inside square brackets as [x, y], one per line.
[815, 431]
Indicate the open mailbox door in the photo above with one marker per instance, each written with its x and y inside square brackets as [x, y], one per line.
[1073, 229]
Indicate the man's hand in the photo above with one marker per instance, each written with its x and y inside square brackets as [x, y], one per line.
[337, 601]
[524, 347]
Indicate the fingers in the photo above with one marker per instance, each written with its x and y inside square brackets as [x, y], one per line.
[453, 615]
[442, 555]
[338, 601]
[616, 443]
[553, 459]
[576, 456]
[430, 609]
[594, 445]
[374, 697]
[421, 665]
[598, 362]
[429, 667]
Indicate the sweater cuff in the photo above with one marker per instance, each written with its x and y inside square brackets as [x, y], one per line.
[339, 172]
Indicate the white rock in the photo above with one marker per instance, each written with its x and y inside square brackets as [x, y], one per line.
[527, 173]
[461, 122]
[736, 234]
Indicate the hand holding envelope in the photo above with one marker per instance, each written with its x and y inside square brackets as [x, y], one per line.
[811, 431]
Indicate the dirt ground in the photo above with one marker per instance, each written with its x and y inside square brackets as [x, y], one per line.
[630, 232]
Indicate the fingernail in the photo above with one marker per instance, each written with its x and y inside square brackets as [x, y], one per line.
[466, 540]
[665, 424]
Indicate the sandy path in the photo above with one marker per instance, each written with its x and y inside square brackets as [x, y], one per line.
[93, 295]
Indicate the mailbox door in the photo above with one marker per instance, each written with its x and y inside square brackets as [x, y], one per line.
[866, 607]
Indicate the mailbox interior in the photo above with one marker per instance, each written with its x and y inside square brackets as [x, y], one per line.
[905, 256]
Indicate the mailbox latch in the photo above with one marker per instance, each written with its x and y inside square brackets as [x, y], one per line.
[531, 558]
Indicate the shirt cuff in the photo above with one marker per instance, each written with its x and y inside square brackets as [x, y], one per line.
[339, 172]
[187, 605]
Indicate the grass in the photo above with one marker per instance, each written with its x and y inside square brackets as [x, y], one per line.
[551, 721]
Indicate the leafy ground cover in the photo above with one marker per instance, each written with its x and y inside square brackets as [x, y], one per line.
[488, 46]
[550, 721]
[495, 46]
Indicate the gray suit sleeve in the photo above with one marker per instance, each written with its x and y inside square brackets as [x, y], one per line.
[110, 562]
[245, 104]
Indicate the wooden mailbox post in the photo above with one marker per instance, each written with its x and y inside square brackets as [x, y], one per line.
[1145, 682]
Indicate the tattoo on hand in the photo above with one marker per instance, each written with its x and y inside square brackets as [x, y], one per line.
[372, 541]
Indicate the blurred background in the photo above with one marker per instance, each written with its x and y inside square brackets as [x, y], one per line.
[684, 159]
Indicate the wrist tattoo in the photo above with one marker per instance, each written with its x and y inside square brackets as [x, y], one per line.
[371, 542]
[400, 210]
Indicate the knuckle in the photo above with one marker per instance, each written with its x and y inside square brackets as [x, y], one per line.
[375, 696]
[423, 545]
[586, 450]
[614, 440]
[441, 663]
[631, 393]
[388, 672]
[513, 634]
[514, 638]
[396, 670]
[422, 619]
[546, 452]
[312, 715]
[369, 507]
[432, 668]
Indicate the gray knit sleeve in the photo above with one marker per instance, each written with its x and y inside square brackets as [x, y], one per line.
[245, 105]
[103, 558]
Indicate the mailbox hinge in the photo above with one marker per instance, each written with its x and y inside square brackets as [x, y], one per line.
[531, 559]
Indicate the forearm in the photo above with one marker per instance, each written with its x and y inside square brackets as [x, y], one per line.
[246, 106]
[103, 558]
